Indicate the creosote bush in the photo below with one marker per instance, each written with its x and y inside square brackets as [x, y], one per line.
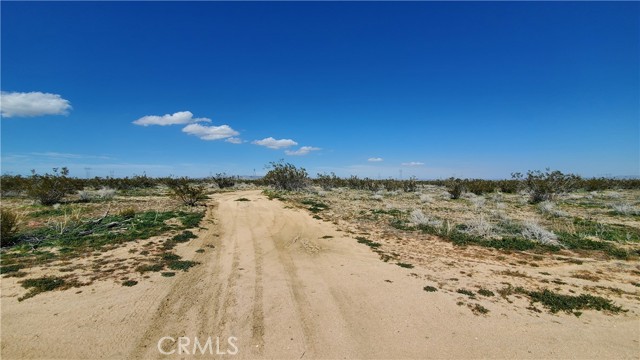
[9, 224]
[50, 189]
[285, 176]
[545, 186]
[224, 181]
[183, 190]
[455, 187]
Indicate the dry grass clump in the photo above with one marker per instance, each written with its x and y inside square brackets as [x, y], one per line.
[534, 231]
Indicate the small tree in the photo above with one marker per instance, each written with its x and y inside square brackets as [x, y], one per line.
[285, 176]
[544, 186]
[224, 181]
[50, 189]
[9, 225]
[185, 192]
[455, 187]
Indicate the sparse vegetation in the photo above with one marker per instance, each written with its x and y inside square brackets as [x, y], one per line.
[182, 189]
[430, 289]
[40, 285]
[369, 243]
[546, 185]
[129, 283]
[469, 293]
[50, 189]
[285, 176]
[405, 265]
[9, 226]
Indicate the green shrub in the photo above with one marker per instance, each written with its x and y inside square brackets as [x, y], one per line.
[455, 187]
[285, 176]
[9, 226]
[50, 189]
[128, 213]
[38, 285]
[224, 181]
[543, 186]
[183, 190]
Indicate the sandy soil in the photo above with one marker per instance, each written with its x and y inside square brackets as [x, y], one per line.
[285, 285]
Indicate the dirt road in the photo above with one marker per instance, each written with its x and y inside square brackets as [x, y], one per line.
[285, 285]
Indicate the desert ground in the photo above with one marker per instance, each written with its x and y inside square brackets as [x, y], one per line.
[269, 277]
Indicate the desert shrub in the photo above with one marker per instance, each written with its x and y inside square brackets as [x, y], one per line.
[418, 218]
[544, 186]
[480, 227]
[285, 176]
[9, 225]
[50, 189]
[410, 185]
[84, 196]
[549, 208]
[183, 190]
[533, 231]
[128, 213]
[625, 209]
[455, 187]
[13, 185]
[224, 181]
[106, 193]
[327, 181]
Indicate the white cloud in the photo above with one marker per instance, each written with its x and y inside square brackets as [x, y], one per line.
[181, 117]
[210, 132]
[272, 143]
[16, 104]
[413, 163]
[375, 159]
[302, 151]
[234, 140]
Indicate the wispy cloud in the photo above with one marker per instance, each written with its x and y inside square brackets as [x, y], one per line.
[212, 132]
[179, 118]
[375, 159]
[30, 104]
[234, 140]
[272, 143]
[413, 163]
[57, 155]
[302, 151]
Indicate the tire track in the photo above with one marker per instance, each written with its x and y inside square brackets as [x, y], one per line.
[257, 326]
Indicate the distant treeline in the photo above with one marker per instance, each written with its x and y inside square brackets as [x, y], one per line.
[17, 184]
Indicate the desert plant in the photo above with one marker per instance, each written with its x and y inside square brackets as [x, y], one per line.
[480, 227]
[50, 188]
[533, 231]
[127, 213]
[625, 209]
[418, 218]
[543, 186]
[9, 225]
[224, 181]
[106, 193]
[183, 190]
[285, 176]
[549, 208]
[455, 187]
[84, 196]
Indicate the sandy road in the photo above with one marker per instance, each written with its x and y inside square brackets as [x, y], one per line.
[285, 285]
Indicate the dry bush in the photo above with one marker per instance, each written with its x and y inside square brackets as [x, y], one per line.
[182, 190]
[534, 231]
[9, 226]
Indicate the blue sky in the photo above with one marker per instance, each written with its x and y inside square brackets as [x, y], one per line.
[427, 89]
